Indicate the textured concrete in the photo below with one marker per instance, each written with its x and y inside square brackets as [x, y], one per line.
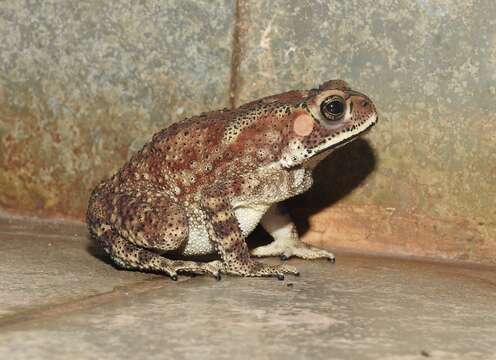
[430, 165]
[83, 84]
[70, 304]
[48, 263]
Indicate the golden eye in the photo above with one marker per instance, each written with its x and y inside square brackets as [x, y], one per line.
[333, 108]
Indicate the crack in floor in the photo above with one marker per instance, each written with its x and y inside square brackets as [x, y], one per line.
[84, 303]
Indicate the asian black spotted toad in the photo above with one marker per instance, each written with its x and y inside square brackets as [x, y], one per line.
[201, 186]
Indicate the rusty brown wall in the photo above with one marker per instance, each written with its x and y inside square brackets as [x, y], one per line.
[84, 84]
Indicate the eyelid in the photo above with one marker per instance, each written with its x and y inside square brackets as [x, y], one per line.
[338, 97]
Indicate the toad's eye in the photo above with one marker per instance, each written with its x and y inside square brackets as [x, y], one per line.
[333, 108]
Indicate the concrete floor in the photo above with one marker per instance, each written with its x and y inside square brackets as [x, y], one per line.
[58, 299]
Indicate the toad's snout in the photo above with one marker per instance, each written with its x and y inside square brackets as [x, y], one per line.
[363, 107]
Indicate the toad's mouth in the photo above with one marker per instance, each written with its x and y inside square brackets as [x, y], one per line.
[316, 154]
[353, 137]
[347, 140]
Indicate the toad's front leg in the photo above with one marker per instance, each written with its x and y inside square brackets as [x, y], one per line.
[286, 243]
[225, 232]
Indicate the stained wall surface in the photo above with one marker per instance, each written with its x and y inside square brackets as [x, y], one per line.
[84, 84]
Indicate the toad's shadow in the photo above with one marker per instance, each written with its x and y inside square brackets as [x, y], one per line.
[97, 252]
[334, 178]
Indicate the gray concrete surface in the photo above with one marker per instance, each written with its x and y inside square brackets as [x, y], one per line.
[45, 263]
[61, 301]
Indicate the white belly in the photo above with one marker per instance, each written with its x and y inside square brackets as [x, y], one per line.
[249, 217]
[199, 241]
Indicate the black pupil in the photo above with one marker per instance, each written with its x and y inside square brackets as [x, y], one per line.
[335, 107]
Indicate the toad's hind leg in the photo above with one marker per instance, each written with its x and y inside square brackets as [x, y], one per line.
[138, 231]
[131, 256]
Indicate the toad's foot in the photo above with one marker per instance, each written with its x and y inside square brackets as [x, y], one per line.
[286, 242]
[287, 249]
[258, 269]
[214, 268]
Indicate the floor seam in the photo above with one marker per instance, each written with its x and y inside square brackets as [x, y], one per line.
[84, 303]
[49, 236]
